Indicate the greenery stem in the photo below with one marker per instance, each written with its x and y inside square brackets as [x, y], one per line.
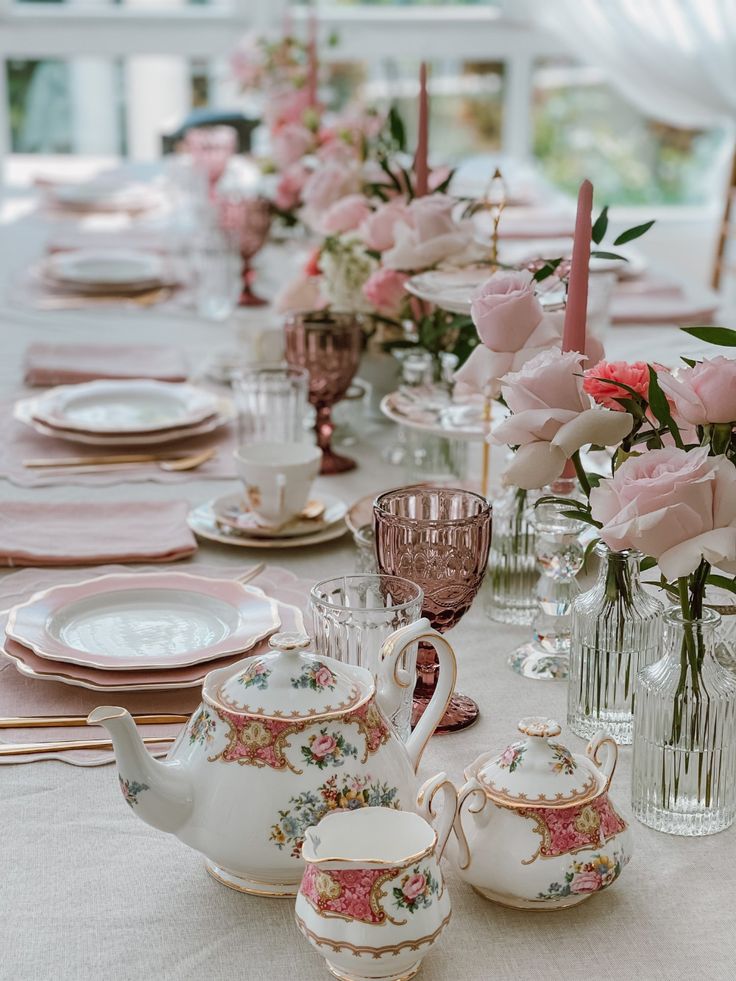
[581, 474]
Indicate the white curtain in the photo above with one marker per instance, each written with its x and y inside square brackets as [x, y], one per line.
[674, 59]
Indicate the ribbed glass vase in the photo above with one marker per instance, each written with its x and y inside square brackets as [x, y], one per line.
[616, 630]
[512, 567]
[684, 766]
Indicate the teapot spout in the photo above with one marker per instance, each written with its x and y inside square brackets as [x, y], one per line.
[159, 792]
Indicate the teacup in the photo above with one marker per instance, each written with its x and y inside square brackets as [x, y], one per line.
[373, 899]
[278, 478]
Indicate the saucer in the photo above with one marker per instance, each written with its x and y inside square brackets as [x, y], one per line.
[232, 517]
[203, 522]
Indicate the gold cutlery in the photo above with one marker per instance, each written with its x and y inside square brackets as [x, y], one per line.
[256, 570]
[76, 302]
[50, 721]
[30, 749]
[167, 461]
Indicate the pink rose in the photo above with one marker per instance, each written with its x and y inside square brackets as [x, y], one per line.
[585, 881]
[289, 187]
[429, 236]
[704, 394]
[301, 294]
[634, 374]
[322, 746]
[507, 757]
[384, 290]
[552, 417]
[286, 106]
[290, 143]
[246, 62]
[377, 231]
[414, 886]
[345, 215]
[674, 505]
[336, 151]
[505, 311]
[326, 185]
[324, 678]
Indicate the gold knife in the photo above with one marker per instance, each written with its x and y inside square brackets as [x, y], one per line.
[49, 721]
[81, 461]
[30, 749]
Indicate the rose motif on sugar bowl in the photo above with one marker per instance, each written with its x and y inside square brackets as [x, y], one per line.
[536, 828]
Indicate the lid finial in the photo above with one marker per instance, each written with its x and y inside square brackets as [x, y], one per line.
[538, 725]
[286, 641]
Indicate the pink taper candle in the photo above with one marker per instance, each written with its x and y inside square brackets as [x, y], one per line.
[576, 310]
[421, 165]
[313, 67]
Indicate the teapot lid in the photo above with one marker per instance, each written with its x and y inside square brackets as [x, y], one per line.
[538, 771]
[290, 682]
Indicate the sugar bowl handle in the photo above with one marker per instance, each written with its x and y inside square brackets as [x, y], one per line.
[391, 676]
[603, 751]
[472, 789]
[443, 823]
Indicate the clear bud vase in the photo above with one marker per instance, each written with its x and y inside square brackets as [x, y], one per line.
[559, 556]
[512, 568]
[684, 766]
[616, 630]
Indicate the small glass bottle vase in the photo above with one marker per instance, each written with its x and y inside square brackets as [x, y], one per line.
[512, 568]
[616, 630]
[684, 766]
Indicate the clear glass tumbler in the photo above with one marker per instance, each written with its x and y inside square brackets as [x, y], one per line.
[512, 567]
[353, 616]
[272, 402]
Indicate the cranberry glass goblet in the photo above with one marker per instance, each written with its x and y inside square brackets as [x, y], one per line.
[328, 345]
[438, 537]
[247, 221]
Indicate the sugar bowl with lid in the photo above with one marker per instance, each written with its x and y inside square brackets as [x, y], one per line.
[535, 826]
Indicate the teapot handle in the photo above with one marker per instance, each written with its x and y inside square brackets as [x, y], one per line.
[425, 803]
[471, 788]
[600, 741]
[390, 676]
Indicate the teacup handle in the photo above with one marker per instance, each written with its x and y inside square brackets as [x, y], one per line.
[281, 491]
[603, 741]
[390, 675]
[472, 788]
[425, 803]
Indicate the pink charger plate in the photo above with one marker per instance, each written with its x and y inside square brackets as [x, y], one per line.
[82, 623]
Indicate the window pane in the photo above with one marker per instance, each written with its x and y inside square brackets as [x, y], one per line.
[583, 128]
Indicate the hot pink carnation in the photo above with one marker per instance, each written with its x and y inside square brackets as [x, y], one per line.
[634, 374]
[384, 290]
[674, 505]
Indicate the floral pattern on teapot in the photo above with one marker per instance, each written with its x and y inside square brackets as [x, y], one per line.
[310, 807]
[568, 830]
[583, 878]
[131, 789]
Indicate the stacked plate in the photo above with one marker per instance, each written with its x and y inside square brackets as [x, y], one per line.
[144, 631]
[124, 412]
[227, 520]
[102, 272]
[103, 195]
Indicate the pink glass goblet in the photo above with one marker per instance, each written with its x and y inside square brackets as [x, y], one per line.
[211, 147]
[438, 537]
[328, 345]
[247, 220]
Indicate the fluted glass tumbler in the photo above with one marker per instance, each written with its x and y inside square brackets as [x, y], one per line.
[328, 345]
[352, 617]
[272, 402]
[439, 538]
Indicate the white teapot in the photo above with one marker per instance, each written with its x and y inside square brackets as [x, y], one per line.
[535, 826]
[279, 740]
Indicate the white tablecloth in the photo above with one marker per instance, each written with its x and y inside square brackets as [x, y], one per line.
[88, 891]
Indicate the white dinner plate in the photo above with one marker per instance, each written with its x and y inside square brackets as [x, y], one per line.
[204, 524]
[143, 621]
[230, 515]
[125, 406]
[103, 196]
[455, 420]
[23, 411]
[105, 267]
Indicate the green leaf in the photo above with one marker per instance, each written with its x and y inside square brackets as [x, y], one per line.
[647, 563]
[597, 254]
[688, 361]
[442, 188]
[397, 128]
[723, 336]
[631, 233]
[661, 408]
[582, 516]
[546, 270]
[722, 582]
[600, 226]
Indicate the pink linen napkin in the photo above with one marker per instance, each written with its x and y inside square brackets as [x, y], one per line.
[657, 301]
[69, 364]
[19, 442]
[89, 532]
[21, 696]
